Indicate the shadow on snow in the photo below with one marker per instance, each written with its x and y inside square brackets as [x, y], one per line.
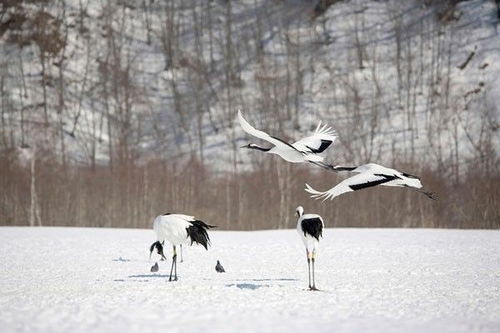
[250, 286]
[121, 260]
[149, 276]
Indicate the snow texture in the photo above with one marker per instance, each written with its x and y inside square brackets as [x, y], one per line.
[333, 54]
[371, 280]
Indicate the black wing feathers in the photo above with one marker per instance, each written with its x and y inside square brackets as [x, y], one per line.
[197, 232]
[312, 227]
[324, 144]
[387, 178]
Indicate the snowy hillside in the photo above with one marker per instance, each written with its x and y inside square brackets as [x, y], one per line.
[412, 80]
[382, 280]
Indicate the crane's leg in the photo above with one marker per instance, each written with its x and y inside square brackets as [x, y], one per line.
[174, 263]
[175, 270]
[430, 195]
[308, 267]
[324, 165]
[182, 260]
[312, 260]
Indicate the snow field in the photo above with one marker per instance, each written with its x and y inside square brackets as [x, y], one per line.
[382, 280]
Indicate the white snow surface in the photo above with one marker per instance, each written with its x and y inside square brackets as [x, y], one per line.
[375, 280]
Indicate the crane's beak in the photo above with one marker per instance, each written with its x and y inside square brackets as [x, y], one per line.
[245, 146]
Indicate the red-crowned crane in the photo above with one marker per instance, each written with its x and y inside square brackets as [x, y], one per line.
[178, 229]
[370, 175]
[308, 149]
[310, 229]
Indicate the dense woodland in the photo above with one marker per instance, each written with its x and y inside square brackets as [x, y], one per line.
[112, 112]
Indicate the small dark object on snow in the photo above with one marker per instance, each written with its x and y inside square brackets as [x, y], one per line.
[155, 268]
[219, 267]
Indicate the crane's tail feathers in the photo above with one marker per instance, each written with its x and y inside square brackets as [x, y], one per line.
[197, 233]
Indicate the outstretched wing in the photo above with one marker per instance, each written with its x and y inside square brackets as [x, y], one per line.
[354, 183]
[317, 143]
[262, 135]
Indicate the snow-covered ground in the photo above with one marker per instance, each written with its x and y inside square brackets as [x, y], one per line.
[88, 280]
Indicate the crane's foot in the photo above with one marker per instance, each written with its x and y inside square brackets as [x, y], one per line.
[313, 288]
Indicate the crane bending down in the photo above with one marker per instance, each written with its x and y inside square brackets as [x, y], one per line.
[310, 229]
[370, 175]
[159, 249]
[308, 149]
[179, 229]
